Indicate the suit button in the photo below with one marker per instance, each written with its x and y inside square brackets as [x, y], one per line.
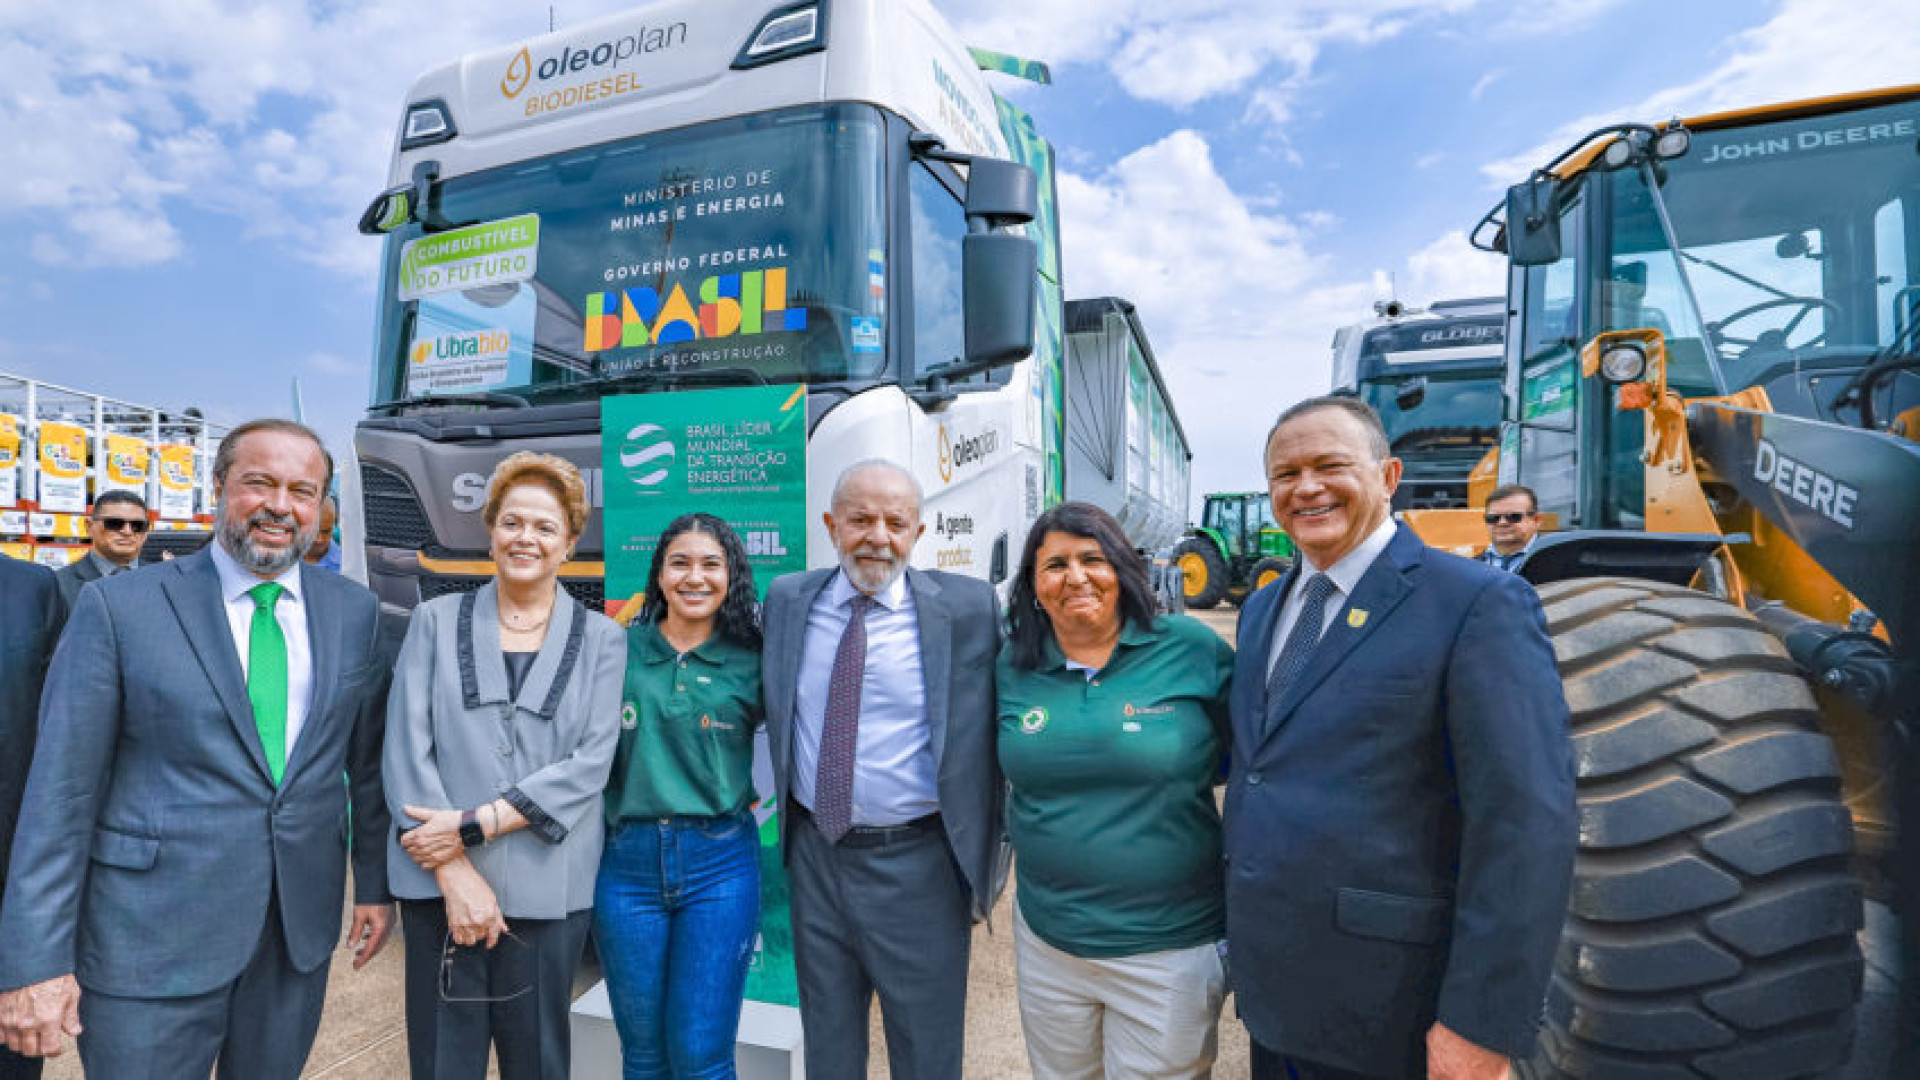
[1253, 778]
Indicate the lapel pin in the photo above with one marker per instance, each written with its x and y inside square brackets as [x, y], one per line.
[1356, 617]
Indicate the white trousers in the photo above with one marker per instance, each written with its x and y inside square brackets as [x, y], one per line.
[1155, 1016]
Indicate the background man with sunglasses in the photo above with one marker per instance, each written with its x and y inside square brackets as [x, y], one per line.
[118, 530]
[1513, 520]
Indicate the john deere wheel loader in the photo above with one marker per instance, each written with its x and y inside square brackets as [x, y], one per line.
[1713, 380]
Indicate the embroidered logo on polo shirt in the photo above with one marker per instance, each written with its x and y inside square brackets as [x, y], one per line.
[1033, 720]
[1144, 710]
[629, 716]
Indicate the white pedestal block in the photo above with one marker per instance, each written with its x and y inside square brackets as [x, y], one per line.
[768, 1048]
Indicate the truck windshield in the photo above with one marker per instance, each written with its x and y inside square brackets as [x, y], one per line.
[748, 250]
[1792, 247]
[1460, 367]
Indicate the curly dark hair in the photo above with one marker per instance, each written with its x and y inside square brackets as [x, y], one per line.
[739, 616]
[1028, 625]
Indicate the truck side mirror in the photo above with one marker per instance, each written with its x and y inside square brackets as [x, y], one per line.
[1411, 393]
[1533, 221]
[1000, 193]
[997, 272]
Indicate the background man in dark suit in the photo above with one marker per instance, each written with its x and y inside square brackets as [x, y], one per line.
[880, 719]
[30, 614]
[1399, 815]
[118, 529]
[181, 856]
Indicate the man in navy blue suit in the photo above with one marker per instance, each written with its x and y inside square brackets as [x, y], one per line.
[1400, 809]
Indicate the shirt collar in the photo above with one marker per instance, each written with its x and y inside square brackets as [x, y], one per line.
[1132, 634]
[840, 591]
[236, 581]
[1353, 566]
[106, 566]
[656, 649]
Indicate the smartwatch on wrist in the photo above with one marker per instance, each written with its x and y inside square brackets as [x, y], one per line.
[471, 835]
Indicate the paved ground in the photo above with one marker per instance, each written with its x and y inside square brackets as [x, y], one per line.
[362, 1036]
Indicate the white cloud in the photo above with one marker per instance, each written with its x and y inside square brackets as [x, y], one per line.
[1449, 268]
[1809, 48]
[1239, 307]
[1183, 54]
[277, 114]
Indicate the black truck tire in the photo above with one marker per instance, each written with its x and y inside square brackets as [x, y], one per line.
[1203, 572]
[1711, 932]
[1266, 572]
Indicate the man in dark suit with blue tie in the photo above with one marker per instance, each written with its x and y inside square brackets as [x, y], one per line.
[1400, 809]
[30, 614]
[175, 889]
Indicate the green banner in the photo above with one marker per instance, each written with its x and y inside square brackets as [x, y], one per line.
[740, 455]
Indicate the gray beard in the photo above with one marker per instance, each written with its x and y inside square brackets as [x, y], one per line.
[236, 538]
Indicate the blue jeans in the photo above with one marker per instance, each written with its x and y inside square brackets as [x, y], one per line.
[675, 911]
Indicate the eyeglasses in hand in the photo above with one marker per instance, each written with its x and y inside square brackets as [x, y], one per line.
[450, 949]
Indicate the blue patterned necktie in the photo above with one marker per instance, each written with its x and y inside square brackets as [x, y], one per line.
[840, 731]
[1301, 640]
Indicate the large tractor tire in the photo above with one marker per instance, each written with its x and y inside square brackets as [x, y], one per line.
[1203, 572]
[1711, 932]
[1266, 572]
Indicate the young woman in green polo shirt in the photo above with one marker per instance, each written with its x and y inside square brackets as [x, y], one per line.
[677, 903]
[1112, 724]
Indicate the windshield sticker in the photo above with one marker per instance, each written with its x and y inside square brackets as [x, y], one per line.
[866, 333]
[464, 344]
[753, 302]
[1546, 392]
[495, 253]
[877, 275]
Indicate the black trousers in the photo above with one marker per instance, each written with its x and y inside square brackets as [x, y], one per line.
[1265, 1064]
[15, 1067]
[514, 997]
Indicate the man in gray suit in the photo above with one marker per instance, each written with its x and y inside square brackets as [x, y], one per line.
[880, 719]
[174, 895]
[118, 529]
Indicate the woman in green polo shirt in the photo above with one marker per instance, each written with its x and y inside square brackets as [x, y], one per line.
[677, 903]
[1111, 731]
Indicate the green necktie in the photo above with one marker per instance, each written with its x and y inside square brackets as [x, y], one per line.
[267, 677]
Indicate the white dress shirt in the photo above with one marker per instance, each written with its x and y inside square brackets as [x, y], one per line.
[290, 612]
[1345, 574]
[895, 770]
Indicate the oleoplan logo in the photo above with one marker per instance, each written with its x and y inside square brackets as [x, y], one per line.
[519, 74]
[646, 454]
[731, 305]
[602, 58]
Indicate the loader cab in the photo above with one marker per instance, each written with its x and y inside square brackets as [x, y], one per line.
[1779, 252]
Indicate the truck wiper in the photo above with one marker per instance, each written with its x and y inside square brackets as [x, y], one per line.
[479, 397]
[671, 377]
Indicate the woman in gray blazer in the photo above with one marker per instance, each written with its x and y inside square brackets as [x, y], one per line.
[501, 727]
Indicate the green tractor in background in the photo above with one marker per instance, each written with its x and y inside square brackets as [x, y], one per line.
[1236, 549]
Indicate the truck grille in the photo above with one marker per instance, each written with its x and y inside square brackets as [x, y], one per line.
[394, 517]
[588, 591]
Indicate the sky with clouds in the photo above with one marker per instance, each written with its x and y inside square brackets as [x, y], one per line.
[185, 176]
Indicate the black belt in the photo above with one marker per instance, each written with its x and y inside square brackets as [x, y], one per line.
[865, 836]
